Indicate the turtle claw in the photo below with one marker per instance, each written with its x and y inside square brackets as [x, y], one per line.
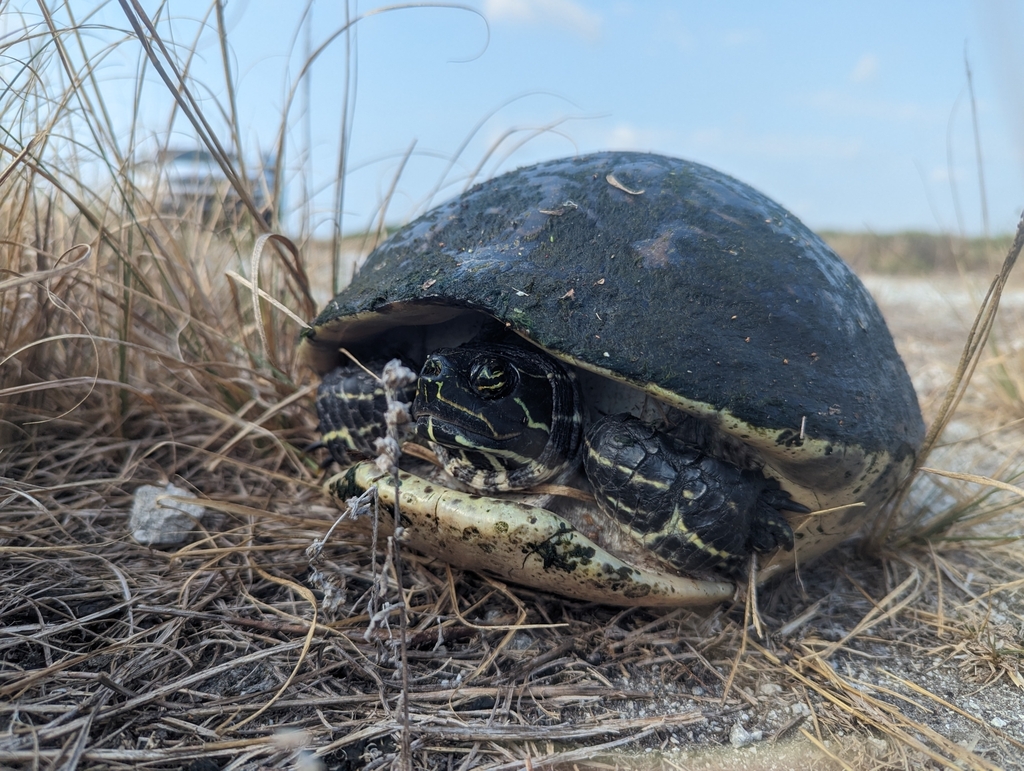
[770, 530]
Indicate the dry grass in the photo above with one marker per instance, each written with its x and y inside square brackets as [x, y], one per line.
[136, 360]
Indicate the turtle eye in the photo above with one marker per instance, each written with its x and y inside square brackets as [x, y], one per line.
[431, 368]
[493, 377]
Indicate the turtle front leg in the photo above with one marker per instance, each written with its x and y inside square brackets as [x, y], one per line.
[693, 510]
[351, 403]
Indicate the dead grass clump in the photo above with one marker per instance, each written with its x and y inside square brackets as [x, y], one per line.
[136, 359]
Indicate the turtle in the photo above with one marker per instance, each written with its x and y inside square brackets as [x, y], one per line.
[722, 387]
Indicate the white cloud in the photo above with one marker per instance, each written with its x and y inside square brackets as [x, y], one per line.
[865, 69]
[567, 14]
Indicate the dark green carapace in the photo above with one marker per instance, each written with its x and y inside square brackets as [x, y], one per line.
[698, 283]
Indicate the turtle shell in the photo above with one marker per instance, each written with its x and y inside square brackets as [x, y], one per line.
[671, 281]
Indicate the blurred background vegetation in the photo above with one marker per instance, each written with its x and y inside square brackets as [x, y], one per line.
[916, 253]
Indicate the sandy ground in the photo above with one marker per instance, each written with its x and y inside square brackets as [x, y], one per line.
[930, 317]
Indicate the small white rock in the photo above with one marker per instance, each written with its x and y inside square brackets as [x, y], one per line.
[741, 737]
[998, 722]
[162, 522]
[769, 689]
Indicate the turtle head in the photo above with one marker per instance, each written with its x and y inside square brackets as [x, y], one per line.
[499, 417]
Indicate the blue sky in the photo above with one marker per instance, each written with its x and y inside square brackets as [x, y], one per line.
[853, 115]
